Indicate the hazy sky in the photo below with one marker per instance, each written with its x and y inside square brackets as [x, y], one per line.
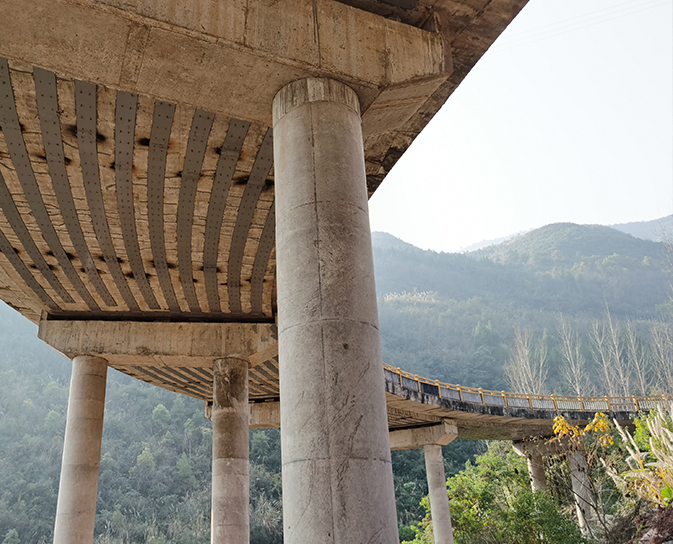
[568, 117]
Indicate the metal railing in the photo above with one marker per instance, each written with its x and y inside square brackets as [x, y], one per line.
[486, 397]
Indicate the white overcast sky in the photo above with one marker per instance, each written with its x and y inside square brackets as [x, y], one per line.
[568, 117]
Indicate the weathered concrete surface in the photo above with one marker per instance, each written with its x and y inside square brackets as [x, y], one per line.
[439, 500]
[442, 435]
[230, 517]
[76, 508]
[265, 415]
[161, 344]
[337, 474]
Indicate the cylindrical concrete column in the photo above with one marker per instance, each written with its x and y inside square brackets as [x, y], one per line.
[337, 474]
[538, 480]
[76, 507]
[439, 499]
[230, 516]
[581, 484]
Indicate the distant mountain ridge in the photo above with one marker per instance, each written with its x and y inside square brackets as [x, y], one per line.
[569, 242]
[657, 230]
[562, 267]
[388, 241]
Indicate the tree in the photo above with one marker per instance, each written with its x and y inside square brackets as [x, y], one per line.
[528, 364]
[608, 352]
[491, 501]
[161, 416]
[661, 341]
[574, 370]
[12, 537]
[639, 361]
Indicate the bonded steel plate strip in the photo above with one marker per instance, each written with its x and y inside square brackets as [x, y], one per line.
[184, 380]
[85, 99]
[262, 260]
[16, 222]
[162, 122]
[226, 166]
[206, 374]
[262, 381]
[262, 372]
[274, 372]
[246, 210]
[199, 378]
[50, 124]
[259, 381]
[267, 390]
[22, 270]
[272, 363]
[171, 376]
[125, 122]
[196, 150]
[161, 381]
[11, 128]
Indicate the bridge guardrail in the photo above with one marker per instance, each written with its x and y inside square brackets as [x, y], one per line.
[486, 397]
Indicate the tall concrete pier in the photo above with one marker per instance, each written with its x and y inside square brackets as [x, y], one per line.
[337, 473]
[76, 509]
[439, 500]
[230, 513]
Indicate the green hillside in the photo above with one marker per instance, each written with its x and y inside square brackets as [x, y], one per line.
[575, 269]
[559, 244]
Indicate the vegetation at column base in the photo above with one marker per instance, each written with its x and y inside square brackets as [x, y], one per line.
[491, 502]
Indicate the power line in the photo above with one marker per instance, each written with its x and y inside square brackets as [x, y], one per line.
[506, 45]
[611, 9]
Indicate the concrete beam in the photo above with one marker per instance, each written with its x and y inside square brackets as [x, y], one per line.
[199, 51]
[265, 415]
[160, 344]
[440, 435]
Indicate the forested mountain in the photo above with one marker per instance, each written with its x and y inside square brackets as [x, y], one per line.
[569, 268]
[460, 318]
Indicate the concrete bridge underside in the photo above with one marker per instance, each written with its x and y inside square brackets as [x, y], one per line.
[183, 197]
